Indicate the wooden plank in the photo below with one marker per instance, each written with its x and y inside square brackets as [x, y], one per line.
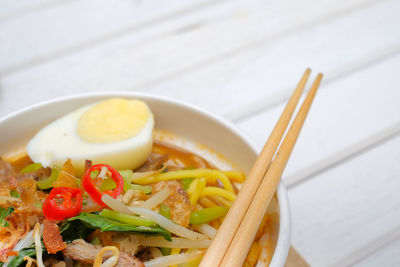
[387, 256]
[12, 8]
[341, 210]
[342, 115]
[364, 144]
[59, 28]
[91, 22]
[172, 62]
[371, 250]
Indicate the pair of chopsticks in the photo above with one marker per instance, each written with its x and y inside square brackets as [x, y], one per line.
[236, 234]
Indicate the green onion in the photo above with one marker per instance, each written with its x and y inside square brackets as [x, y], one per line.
[78, 181]
[127, 176]
[14, 193]
[109, 184]
[165, 211]
[94, 174]
[48, 182]
[186, 183]
[145, 188]
[31, 168]
[208, 214]
[165, 251]
[125, 218]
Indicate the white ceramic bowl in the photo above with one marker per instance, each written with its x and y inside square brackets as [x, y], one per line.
[172, 115]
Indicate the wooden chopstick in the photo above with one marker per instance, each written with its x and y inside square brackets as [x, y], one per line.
[240, 245]
[231, 223]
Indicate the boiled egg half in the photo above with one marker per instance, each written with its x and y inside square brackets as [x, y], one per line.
[116, 131]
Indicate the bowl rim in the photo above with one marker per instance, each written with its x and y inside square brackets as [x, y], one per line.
[284, 234]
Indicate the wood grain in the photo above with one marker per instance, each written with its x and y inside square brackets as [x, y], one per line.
[328, 228]
[165, 69]
[364, 253]
[322, 140]
[386, 256]
[44, 32]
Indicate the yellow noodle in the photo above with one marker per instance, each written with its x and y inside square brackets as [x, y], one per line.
[110, 262]
[206, 202]
[210, 175]
[29, 261]
[212, 191]
[235, 176]
[221, 200]
[195, 189]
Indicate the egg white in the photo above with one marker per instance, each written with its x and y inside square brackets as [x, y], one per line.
[59, 141]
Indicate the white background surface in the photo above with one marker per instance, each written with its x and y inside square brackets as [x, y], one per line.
[241, 59]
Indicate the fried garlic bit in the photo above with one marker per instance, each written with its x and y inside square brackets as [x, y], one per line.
[110, 262]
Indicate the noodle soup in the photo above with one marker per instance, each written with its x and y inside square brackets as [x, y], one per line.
[176, 190]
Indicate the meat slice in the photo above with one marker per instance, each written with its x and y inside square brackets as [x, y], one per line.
[52, 238]
[178, 201]
[82, 251]
[153, 163]
[126, 260]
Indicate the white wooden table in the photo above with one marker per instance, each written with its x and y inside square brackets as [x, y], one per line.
[240, 59]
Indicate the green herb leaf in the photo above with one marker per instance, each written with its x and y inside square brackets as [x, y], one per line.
[105, 224]
[18, 260]
[71, 230]
[3, 215]
[30, 251]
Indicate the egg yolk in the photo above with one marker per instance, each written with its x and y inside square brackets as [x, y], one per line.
[113, 120]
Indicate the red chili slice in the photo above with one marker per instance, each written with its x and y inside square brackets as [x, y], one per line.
[62, 203]
[94, 192]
